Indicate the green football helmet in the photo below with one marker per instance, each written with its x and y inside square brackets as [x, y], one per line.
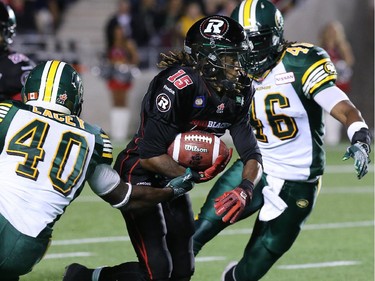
[264, 25]
[7, 25]
[54, 85]
[217, 44]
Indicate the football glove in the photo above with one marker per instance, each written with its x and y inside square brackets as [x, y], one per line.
[182, 184]
[220, 163]
[233, 203]
[360, 153]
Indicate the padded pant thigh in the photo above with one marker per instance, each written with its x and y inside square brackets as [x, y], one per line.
[280, 233]
[18, 252]
[227, 182]
[207, 223]
[180, 229]
[270, 240]
[162, 237]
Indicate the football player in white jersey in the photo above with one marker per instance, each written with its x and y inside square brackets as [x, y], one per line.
[46, 155]
[294, 83]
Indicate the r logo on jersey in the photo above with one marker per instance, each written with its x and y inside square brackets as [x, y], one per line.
[163, 102]
[214, 26]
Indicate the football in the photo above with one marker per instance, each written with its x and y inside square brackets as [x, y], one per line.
[197, 149]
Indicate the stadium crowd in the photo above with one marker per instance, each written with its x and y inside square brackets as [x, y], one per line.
[151, 23]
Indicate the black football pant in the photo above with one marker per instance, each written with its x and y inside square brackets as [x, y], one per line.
[162, 239]
[161, 235]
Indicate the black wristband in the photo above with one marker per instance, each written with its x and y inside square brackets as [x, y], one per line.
[196, 176]
[363, 135]
[247, 184]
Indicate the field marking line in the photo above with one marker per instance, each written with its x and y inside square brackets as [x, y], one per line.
[307, 227]
[209, 259]
[90, 240]
[203, 192]
[318, 265]
[68, 255]
[95, 240]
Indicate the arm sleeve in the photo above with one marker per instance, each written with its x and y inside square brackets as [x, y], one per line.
[103, 180]
[157, 136]
[245, 142]
[319, 72]
[329, 97]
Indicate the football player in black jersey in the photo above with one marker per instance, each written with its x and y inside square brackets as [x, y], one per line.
[201, 88]
[14, 66]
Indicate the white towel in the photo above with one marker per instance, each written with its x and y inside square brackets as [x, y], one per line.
[273, 206]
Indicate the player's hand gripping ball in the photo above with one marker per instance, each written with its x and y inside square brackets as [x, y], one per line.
[197, 150]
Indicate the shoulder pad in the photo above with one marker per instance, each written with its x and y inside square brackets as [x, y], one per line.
[314, 63]
[103, 147]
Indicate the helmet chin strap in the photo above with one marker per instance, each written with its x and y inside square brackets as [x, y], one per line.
[217, 78]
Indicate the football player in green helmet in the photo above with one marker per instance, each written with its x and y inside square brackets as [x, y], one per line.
[47, 155]
[265, 28]
[294, 83]
[54, 85]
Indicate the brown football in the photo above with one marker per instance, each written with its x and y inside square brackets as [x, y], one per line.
[197, 149]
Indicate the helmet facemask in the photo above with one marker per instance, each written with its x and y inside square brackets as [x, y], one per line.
[264, 26]
[7, 26]
[217, 45]
[223, 69]
[265, 49]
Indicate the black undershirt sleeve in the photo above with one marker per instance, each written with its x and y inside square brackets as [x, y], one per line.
[245, 142]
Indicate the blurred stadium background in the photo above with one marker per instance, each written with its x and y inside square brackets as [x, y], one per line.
[79, 39]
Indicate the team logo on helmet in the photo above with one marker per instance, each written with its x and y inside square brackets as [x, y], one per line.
[214, 27]
[61, 99]
[279, 20]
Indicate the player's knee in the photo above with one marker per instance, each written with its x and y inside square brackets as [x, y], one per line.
[255, 264]
[205, 230]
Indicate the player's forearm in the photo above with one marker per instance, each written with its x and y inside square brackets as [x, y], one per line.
[346, 113]
[163, 165]
[252, 171]
[127, 197]
[145, 196]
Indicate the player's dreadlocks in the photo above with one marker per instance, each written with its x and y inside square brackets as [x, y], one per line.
[181, 58]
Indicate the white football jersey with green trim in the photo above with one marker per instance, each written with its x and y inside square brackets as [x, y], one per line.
[45, 158]
[288, 122]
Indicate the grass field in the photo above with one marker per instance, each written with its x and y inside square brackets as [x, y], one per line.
[336, 244]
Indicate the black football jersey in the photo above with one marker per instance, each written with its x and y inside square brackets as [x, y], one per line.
[14, 68]
[179, 100]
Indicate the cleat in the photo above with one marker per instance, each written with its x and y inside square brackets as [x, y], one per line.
[77, 272]
[228, 273]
